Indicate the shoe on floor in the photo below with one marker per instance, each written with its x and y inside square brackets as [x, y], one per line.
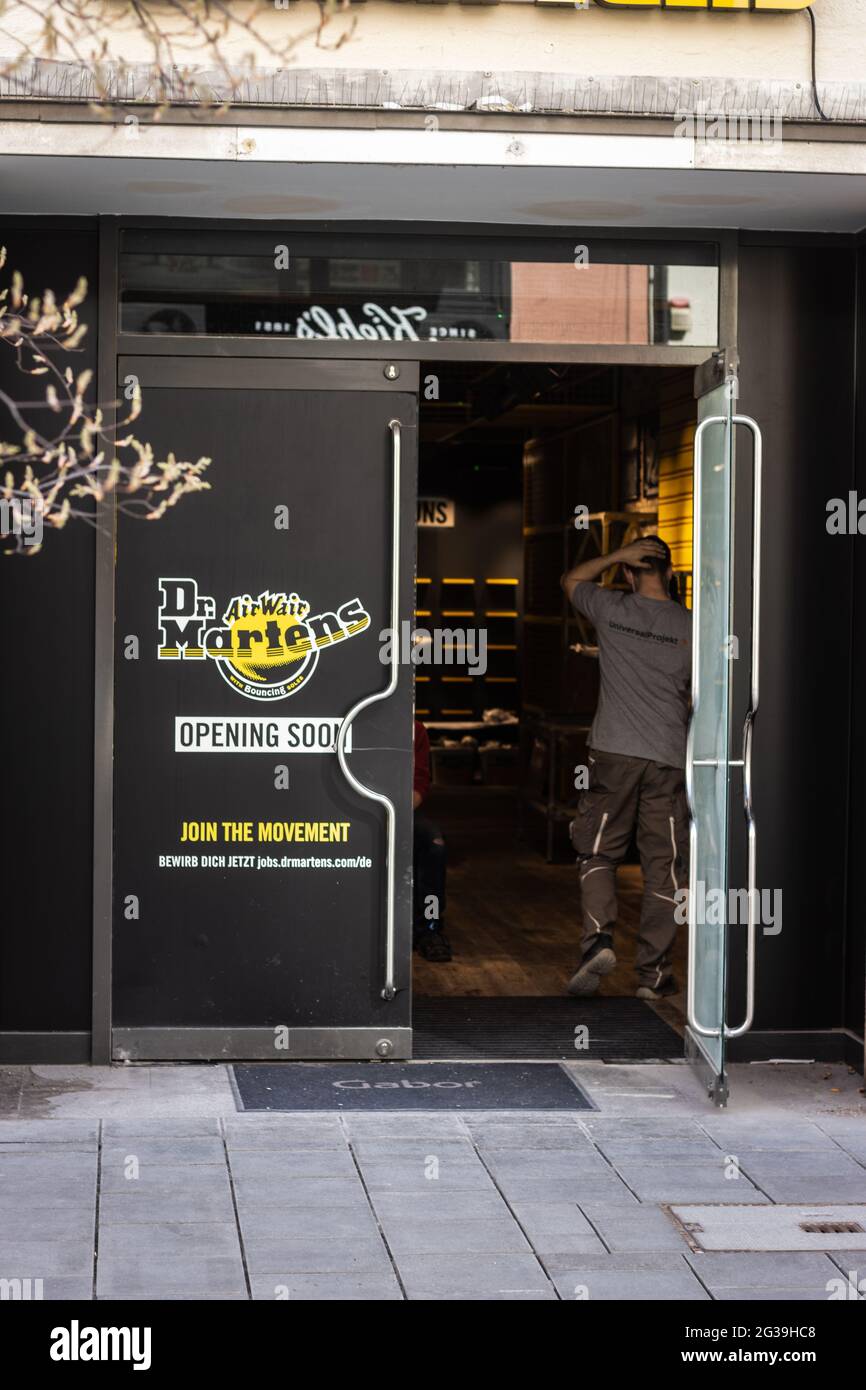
[586, 980]
[435, 946]
[662, 991]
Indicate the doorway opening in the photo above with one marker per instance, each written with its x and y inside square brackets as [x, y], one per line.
[525, 469]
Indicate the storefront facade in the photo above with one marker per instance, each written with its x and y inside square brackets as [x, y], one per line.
[164, 752]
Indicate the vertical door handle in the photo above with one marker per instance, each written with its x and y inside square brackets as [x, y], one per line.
[389, 988]
[748, 724]
[691, 1010]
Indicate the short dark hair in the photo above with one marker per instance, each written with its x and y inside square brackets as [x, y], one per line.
[661, 564]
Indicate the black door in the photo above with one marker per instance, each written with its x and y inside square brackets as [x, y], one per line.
[251, 876]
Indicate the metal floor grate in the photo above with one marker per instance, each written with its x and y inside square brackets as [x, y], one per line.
[832, 1228]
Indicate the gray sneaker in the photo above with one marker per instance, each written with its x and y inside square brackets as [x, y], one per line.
[663, 991]
[586, 980]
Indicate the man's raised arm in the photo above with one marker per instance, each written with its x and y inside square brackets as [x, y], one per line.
[632, 555]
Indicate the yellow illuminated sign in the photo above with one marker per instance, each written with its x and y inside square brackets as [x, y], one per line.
[776, 6]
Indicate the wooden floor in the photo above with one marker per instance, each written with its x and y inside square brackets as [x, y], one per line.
[514, 920]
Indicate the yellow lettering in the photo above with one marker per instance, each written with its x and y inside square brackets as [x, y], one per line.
[767, 6]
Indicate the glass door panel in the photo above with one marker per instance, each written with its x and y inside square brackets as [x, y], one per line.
[708, 756]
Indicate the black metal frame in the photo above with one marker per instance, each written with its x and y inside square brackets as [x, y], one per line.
[608, 246]
[227, 373]
[612, 246]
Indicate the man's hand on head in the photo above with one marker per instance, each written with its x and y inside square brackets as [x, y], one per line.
[638, 553]
[634, 556]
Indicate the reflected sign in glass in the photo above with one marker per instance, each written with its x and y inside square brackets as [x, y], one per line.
[407, 298]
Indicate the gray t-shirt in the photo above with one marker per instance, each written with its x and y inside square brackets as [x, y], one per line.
[645, 656]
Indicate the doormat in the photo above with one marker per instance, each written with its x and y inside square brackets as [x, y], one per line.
[407, 1086]
[518, 1029]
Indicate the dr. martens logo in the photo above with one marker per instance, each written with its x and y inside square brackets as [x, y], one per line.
[266, 647]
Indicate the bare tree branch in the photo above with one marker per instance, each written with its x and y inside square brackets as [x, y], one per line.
[185, 39]
[68, 457]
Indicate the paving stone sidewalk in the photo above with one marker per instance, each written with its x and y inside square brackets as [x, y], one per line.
[511, 1205]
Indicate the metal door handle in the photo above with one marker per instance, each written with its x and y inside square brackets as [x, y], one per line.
[389, 989]
[691, 760]
[748, 723]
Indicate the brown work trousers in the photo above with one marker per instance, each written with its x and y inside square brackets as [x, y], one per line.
[626, 795]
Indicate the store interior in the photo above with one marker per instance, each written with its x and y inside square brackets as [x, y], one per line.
[523, 470]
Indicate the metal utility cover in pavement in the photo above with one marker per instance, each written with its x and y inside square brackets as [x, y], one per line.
[818, 1227]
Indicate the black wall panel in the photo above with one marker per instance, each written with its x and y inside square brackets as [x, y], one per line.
[46, 706]
[796, 343]
[855, 943]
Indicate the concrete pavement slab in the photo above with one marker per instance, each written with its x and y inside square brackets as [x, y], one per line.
[447, 1205]
[416, 1175]
[283, 1255]
[276, 1193]
[664, 1184]
[171, 1294]
[294, 1163]
[763, 1133]
[556, 1189]
[74, 1287]
[51, 1161]
[21, 1221]
[745, 1269]
[249, 1139]
[640, 1127]
[170, 1240]
[168, 1177]
[39, 1259]
[42, 1201]
[464, 1278]
[824, 1188]
[189, 1151]
[651, 1150]
[403, 1125]
[142, 1279]
[541, 1164]
[413, 1235]
[643, 1229]
[49, 1131]
[294, 1120]
[316, 1223]
[850, 1262]
[414, 1152]
[168, 1258]
[368, 1287]
[770, 1293]
[524, 1136]
[148, 1205]
[625, 1277]
[843, 1127]
[806, 1163]
[168, 1127]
